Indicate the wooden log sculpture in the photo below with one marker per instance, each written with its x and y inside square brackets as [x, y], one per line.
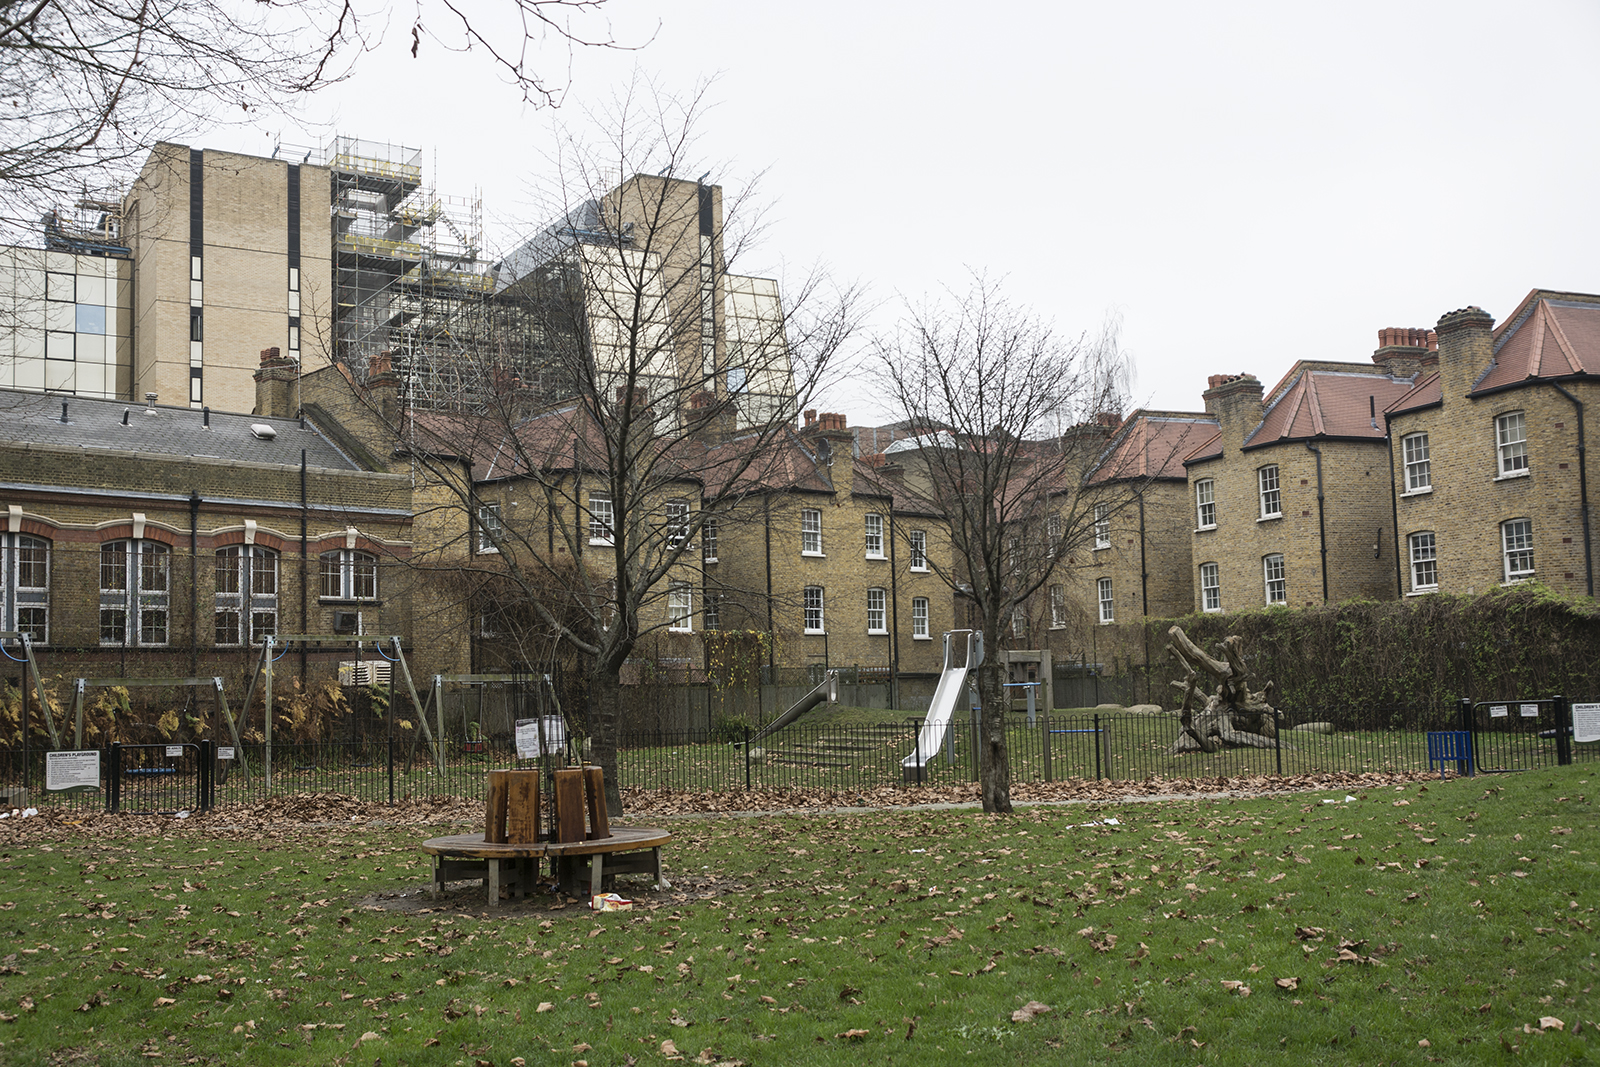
[1232, 715]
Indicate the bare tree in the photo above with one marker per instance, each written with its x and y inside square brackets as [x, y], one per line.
[1017, 409]
[94, 83]
[632, 390]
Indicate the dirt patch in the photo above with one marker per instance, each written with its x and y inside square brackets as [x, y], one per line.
[467, 898]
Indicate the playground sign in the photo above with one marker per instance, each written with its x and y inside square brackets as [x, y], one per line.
[72, 772]
[555, 736]
[1586, 722]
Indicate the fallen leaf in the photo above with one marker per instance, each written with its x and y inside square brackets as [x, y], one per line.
[852, 1035]
[1550, 1022]
[545, 1005]
[1027, 1012]
[1287, 983]
[670, 1051]
[370, 1036]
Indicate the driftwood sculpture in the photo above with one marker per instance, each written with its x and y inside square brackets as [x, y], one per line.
[1232, 715]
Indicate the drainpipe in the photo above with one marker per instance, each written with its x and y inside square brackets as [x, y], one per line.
[1322, 527]
[1144, 571]
[305, 573]
[894, 616]
[1394, 512]
[1583, 489]
[194, 582]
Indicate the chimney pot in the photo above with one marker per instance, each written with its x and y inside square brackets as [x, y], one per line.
[811, 416]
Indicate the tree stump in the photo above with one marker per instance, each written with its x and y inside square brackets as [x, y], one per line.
[511, 808]
[1233, 715]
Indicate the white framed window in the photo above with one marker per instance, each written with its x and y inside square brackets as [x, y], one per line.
[1277, 584]
[247, 595]
[1271, 498]
[1210, 587]
[680, 607]
[1108, 611]
[810, 532]
[1052, 527]
[1516, 539]
[919, 618]
[1019, 622]
[489, 528]
[348, 574]
[1424, 562]
[1205, 504]
[677, 523]
[708, 541]
[877, 612]
[711, 614]
[814, 619]
[1102, 526]
[1511, 444]
[1058, 606]
[600, 519]
[1419, 467]
[135, 587]
[874, 536]
[919, 550]
[25, 586]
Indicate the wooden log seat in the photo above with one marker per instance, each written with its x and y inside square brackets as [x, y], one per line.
[516, 867]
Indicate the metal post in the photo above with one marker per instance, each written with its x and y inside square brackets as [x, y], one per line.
[266, 697]
[747, 757]
[1048, 771]
[1563, 712]
[208, 762]
[1097, 772]
[1469, 724]
[114, 778]
[1031, 689]
[1277, 738]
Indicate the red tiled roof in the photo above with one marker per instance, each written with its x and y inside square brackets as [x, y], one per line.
[1551, 335]
[1153, 444]
[1427, 391]
[1209, 448]
[1329, 403]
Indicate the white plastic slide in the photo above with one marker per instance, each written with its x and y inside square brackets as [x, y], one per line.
[952, 684]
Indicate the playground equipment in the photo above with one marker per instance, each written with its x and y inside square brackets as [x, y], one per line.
[825, 690]
[952, 683]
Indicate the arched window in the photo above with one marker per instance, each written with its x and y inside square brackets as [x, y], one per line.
[348, 574]
[247, 594]
[25, 586]
[135, 590]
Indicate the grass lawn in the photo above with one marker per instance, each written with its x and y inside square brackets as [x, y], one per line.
[1450, 923]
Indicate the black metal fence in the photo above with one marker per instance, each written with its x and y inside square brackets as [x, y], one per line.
[1117, 746]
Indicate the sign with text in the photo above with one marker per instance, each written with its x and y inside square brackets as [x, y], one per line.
[224, 752]
[69, 772]
[555, 736]
[1586, 722]
[175, 750]
[1530, 711]
[1498, 711]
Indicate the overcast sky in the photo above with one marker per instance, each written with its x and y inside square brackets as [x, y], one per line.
[1239, 184]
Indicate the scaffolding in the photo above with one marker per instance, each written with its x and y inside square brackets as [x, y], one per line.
[406, 260]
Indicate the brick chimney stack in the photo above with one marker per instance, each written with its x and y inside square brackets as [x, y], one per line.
[1466, 348]
[1404, 352]
[277, 385]
[383, 385]
[1235, 399]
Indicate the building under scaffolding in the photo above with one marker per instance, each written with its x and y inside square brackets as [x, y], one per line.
[405, 258]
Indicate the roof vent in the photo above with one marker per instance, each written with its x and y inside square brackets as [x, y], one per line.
[150, 403]
[262, 431]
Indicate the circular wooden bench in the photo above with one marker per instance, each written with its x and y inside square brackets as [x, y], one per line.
[516, 867]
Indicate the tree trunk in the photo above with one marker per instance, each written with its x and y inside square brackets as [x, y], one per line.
[994, 758]
[602, 720]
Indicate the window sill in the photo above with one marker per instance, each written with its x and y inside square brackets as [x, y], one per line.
[1417, 492]
[680, 629]
[601, 541]
[1270, 518]
[1513, 475]
[1102, 548]
[812, 555]
[922, 637]
[877, 633]
[488, 550]
[1518, 580]
[335, 601]
[1058, 626]
[815, 633]
[1211, 611]
[919, 570]
[1205, 529]
[710, 559]
[1107, 622]
[1422, 590]
[878, 556]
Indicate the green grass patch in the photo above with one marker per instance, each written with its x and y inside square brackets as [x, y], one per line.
[1440, 923]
